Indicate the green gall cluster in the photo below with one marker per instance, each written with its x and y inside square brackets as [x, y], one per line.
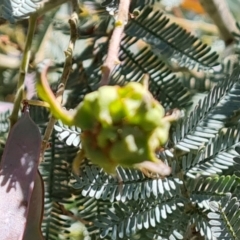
[121, 126]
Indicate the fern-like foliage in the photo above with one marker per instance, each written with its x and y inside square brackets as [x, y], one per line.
[210, 115]
[162, 80]
[128, 218]
[225, 218]
[129, 185]
[170, 40]
[214, 186]
[4, 124]
[215, 157]
[126, 189]
[133, 65]
[58, 192]
[15, 10]
[18, 9]
[69, 134]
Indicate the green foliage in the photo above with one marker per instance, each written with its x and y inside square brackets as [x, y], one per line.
[71, 135]
[201, 196]
[171, 41]
[14, 10]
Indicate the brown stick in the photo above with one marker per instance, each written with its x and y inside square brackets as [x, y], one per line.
[70, 214]
[66, 72]
[114, 45]
[222, 17]
[23, 70]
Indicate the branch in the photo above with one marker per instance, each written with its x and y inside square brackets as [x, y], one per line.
[23, 70]
[73, 21]
[219, 12]
[67, 212]
[114, 45]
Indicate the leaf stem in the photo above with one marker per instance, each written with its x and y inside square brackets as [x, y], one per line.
[23, 70]
[73, 22]
[112, 56]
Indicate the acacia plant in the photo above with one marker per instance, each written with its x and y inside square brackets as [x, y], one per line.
[129, 127]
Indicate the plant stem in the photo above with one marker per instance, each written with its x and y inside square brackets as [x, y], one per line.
[222, 17]
[38, 103]
[73, 21]
[23, 70]
[115, 41]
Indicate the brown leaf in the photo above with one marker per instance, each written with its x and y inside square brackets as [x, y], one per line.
[35, 212]
[18, 171]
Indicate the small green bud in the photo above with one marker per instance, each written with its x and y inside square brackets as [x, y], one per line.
[121, 126]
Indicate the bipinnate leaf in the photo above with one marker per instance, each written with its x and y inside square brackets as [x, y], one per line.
[35, 211]
[18, 172]
[15, 10]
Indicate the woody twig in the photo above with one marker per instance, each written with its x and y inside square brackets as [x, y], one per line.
[23, 69]
[73, 21]
[112, 55]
